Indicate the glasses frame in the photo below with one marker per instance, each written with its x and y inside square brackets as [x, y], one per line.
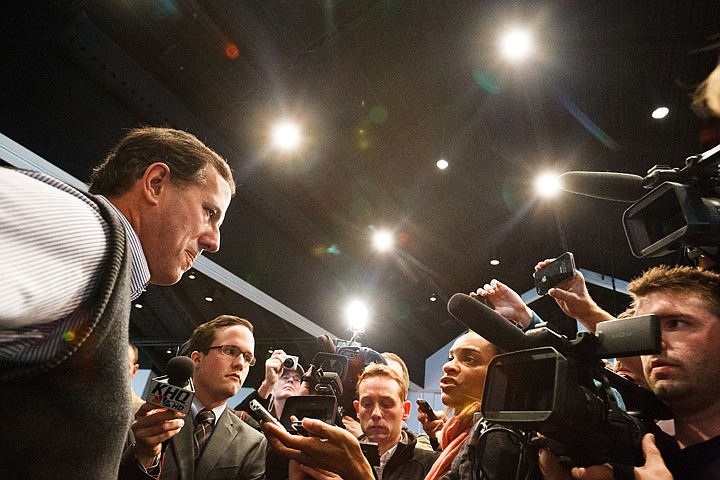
[242, 354]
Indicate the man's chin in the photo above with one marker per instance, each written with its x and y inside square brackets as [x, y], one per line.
[668, 389]
[377, 437]
[165, 279]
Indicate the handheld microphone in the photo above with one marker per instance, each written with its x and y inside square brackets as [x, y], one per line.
[619, 187]
[175, 390]
[487, 323]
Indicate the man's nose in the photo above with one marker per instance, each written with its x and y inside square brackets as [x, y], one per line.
[210, 241]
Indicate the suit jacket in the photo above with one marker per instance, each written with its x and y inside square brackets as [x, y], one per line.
[234, 451]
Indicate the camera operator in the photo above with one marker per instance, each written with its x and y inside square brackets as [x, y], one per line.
[684, 375]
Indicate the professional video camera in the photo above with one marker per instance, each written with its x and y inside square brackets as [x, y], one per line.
[682, 210]
[673, 207]
[332, 378]
[560, 388]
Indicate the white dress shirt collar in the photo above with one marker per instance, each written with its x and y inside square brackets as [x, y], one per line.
[140, 271]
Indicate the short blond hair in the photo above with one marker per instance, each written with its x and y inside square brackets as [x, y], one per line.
[379, 370]
[396, 358]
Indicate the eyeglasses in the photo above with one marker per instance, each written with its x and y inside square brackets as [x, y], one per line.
[233, 351]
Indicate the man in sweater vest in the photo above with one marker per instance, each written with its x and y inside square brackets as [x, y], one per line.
[73, 262]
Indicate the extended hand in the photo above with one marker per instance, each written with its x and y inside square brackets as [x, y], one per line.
[654, 468]
[331, 448]
[298, 471]
[273, 370]
[151, 427]
[507, 302]
[432, 427]
[573, 298]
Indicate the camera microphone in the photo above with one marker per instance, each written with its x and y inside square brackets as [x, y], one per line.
[175, 390]
[619, 187]
[487, 323]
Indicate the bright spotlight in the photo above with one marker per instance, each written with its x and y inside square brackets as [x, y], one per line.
[516, 45]
[660, 112]
[383, 240]
[442, 164]
[547, 184]
[286, 136]
[356, 314]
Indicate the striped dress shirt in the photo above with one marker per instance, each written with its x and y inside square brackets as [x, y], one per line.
[53, 247]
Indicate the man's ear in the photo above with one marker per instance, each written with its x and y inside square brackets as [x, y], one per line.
[356, 404]
[195, 356]
[155, 180]
[406, 410]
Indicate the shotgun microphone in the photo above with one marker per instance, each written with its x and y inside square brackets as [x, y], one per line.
[619, 187]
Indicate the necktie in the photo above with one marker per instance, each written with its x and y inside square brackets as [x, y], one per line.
[204, 423]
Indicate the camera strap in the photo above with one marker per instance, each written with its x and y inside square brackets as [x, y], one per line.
[496, 450]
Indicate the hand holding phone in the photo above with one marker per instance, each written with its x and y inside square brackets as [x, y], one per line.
[297, 426]
[425, 407]
[260, 413]
[554, 273]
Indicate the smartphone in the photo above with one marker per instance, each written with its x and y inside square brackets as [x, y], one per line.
[297, 426]
[260, 413]
[371, 453]
[426, 409]
[554, 273]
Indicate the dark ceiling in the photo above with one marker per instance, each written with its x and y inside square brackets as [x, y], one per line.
[383, 89]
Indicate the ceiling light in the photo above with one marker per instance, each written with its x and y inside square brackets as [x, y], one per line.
[442, 164]
[433, 298]
[356, 314]
[516, 44]
[547, 184]
[138, 305]
[208, 299]
[286, 136]
[494, 261]
[191, 276]
[383, 240]
[660, 112]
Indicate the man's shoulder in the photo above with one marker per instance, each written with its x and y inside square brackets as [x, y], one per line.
[410, 451]
[698, 461]
[424, 455]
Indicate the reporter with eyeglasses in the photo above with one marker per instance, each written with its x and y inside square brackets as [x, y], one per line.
[211, 442]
